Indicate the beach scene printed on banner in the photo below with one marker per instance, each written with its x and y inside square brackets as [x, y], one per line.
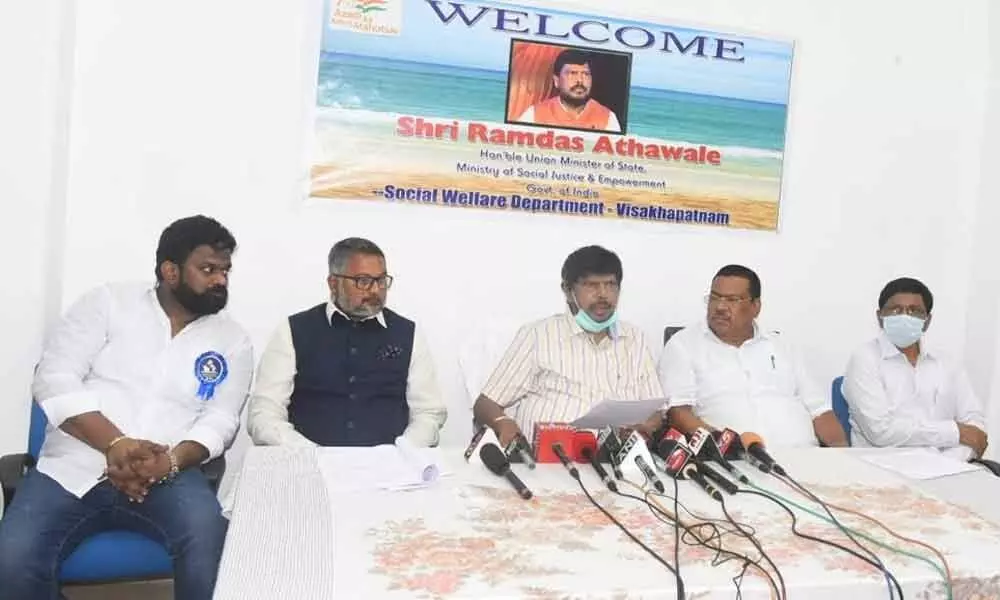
[543, 111]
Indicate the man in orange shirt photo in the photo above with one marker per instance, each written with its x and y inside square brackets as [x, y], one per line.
[572, 106]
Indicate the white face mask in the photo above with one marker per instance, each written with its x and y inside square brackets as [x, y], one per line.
[903, 330]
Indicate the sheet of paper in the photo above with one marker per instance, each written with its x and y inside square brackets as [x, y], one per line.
[619, 413]
[918, 463]
[386, 467]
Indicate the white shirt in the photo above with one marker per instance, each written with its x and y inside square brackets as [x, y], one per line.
[553, 371]
[113, 352]
[267, 418]
[528, 116]
[894, 403]
[760, 386]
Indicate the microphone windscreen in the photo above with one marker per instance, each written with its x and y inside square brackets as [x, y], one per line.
[584, 446]
[494, 459]
[749, 438]
[665, 447]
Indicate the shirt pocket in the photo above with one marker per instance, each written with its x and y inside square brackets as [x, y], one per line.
[774, 375]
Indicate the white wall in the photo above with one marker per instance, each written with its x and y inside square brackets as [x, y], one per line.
[36, 48]
[198, 107]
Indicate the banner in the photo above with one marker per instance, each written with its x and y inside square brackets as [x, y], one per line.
[512, 108]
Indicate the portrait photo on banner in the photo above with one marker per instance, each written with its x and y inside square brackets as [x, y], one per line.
[569, 87]
[545, 112]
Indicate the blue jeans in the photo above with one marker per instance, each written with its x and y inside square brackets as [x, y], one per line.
[45, 523]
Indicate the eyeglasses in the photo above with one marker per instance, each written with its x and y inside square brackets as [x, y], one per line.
[716, 299]
[913, 311]
[366, 282]
[600, 286]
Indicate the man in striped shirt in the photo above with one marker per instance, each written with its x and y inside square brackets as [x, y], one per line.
[557, 368]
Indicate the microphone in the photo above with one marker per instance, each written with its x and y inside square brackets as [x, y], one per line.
[558, 450]
[519, 445]
[590, 455]
[711, 473]
[705, 448]
[584, 446]
[691, 472]
[649, 473]
[634, 447]
[755, 449]
[546, 434]
[729, 443]
[478, 437]
[608, 446]
[495, 461]
[675, 455]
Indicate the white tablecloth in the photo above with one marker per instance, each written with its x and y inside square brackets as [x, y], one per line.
[470, 536]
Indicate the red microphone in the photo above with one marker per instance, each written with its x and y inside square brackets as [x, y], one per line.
[584, 446]
[729, 443]
[547, 434]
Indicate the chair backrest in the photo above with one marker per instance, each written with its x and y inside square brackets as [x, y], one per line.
[840, 407]
[36, 430]
[669, 331]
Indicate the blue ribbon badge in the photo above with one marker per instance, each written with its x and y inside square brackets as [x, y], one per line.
[210, 369]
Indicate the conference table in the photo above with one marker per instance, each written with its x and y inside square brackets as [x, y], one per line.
[294, 535]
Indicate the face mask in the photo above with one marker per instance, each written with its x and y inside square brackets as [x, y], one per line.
[589, 324]
[903, 330]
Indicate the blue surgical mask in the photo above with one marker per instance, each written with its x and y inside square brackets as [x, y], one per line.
[903, 330]
[589, 324]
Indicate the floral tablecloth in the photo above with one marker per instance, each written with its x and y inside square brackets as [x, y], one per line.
[471, 536]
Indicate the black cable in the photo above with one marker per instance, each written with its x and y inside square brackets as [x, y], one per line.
[806, 536]
[721, 554]
[756, 544]
[677, 534]
[889, 578]
[680, 582]
[698, 541]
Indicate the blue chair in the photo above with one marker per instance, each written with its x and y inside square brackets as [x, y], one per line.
[107, 556]
[840, 407]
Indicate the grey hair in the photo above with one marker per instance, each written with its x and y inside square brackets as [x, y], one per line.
[343, 250]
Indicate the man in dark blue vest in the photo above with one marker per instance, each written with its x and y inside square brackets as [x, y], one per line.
[348, 372]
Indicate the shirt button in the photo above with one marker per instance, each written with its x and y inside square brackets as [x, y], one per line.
[354, 350]
[350, 424]
[352, 396]
[351, 379]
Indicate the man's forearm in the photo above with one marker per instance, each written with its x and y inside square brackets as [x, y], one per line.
[189, 454]
[683, 419]
[92, 428]
[828, 430]
[486, 411]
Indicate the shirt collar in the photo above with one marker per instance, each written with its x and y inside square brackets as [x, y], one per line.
[614, 332]
[331, 309]
[889, 350]
[758, 334]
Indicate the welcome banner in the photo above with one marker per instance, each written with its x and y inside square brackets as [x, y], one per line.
[496, 106]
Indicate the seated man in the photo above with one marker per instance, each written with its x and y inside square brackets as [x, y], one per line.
[900, 393]
[726, 372]
[558, 368]
[348, 372]
[141, 384]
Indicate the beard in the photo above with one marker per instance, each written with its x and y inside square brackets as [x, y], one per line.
[574, 101]
[208, 302]
[367, 307]
[364, 310]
